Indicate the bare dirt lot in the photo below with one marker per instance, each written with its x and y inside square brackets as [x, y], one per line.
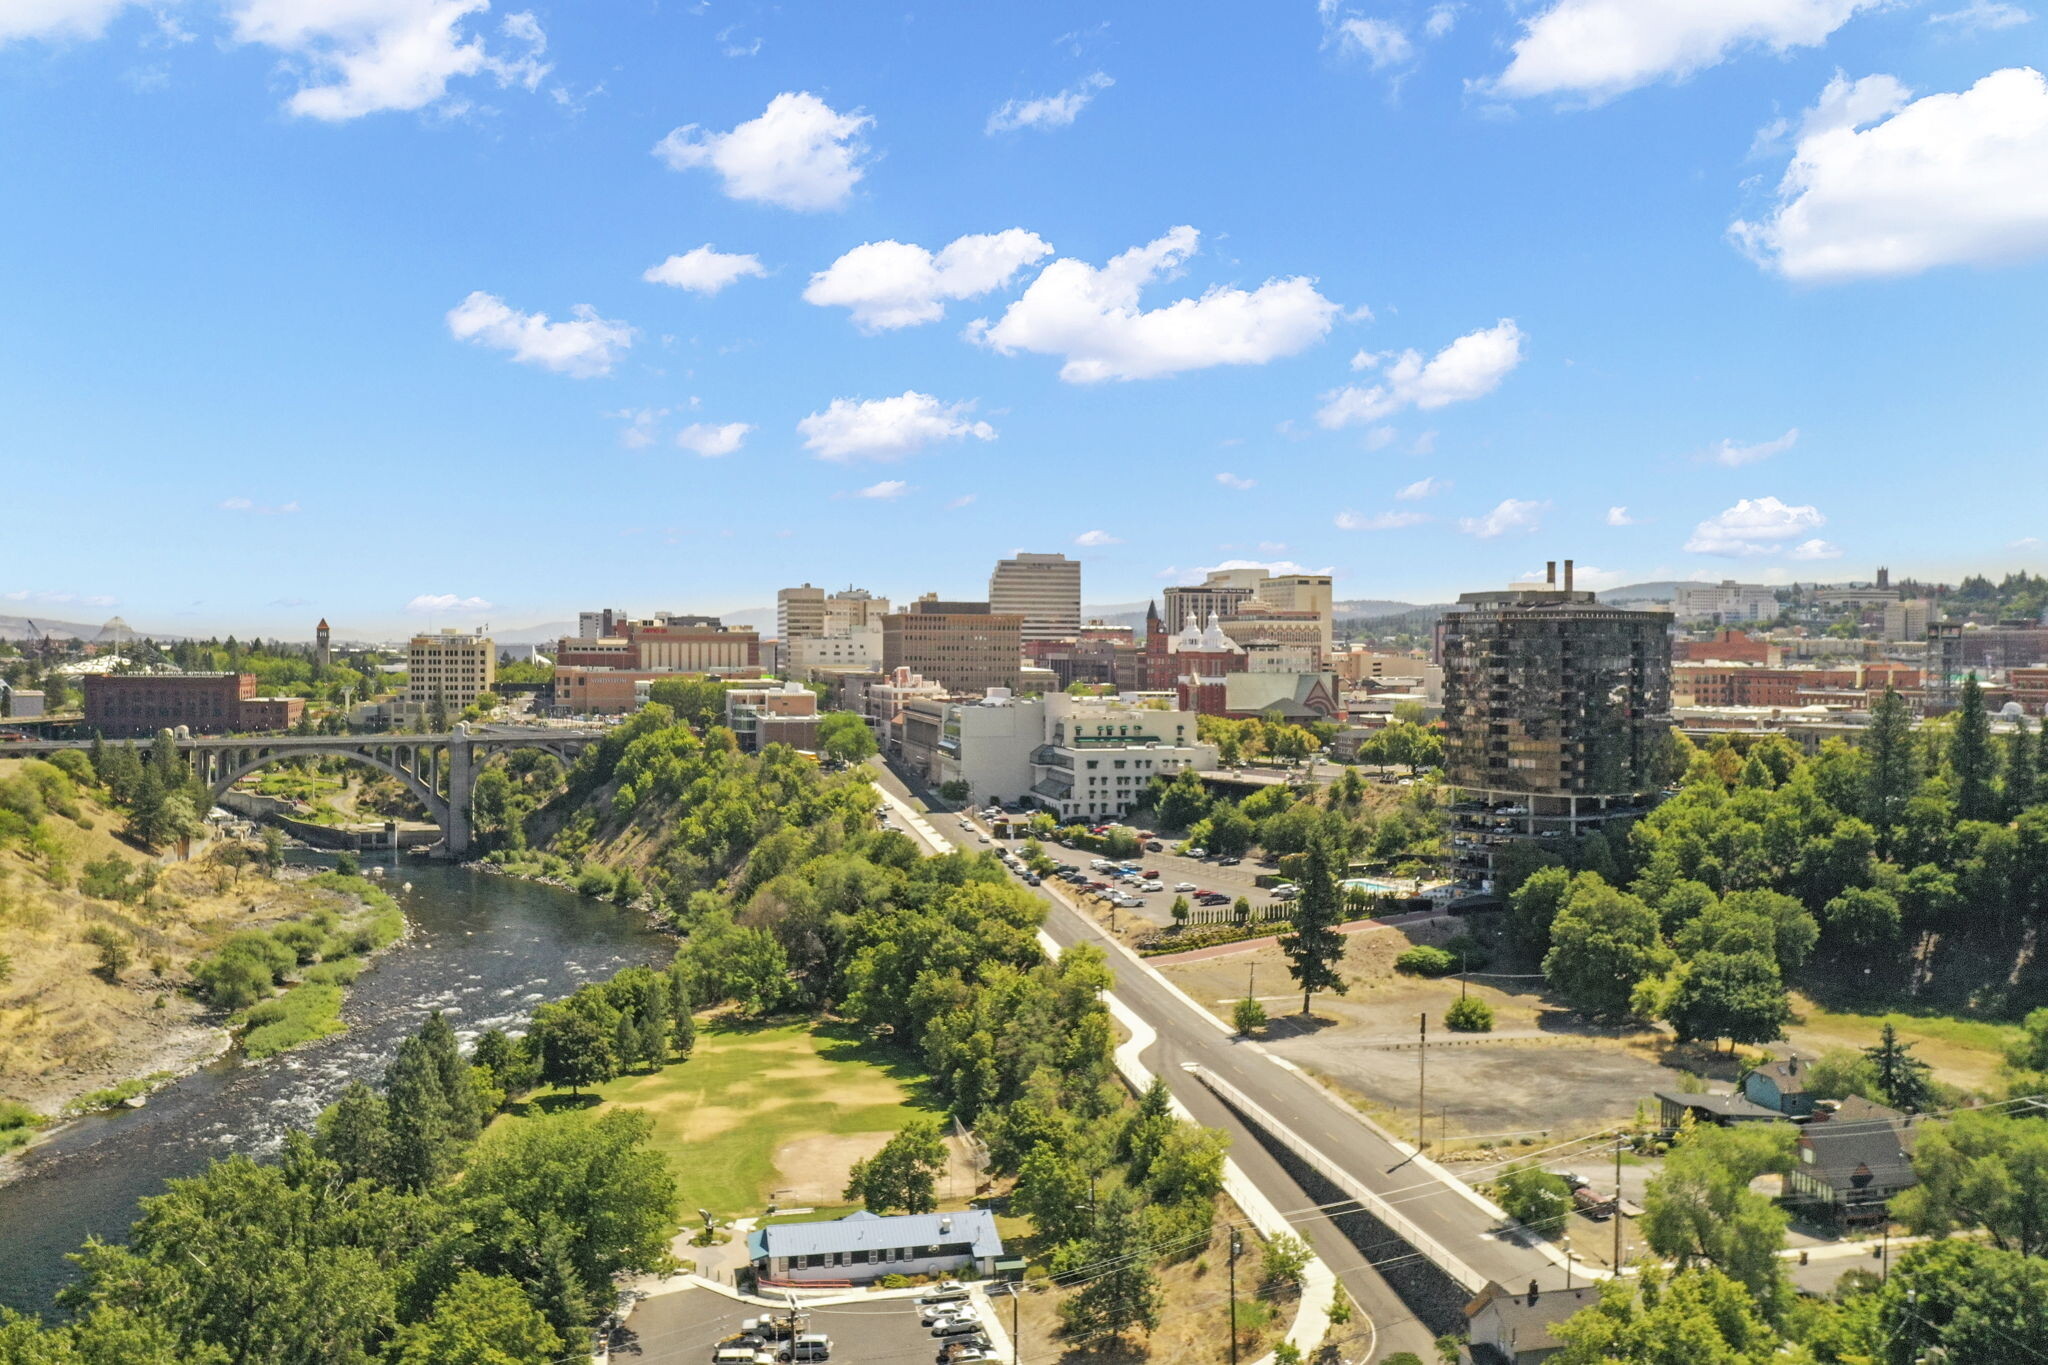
[1541, 1069]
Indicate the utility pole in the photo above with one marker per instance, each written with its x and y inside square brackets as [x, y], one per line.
[1016, 1341]
[1421, 1084]
[1251, 983]
[1617, 1206]
[1235, 1243]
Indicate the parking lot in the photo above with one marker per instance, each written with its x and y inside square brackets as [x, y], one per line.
[1173, 870]
[684, 1328]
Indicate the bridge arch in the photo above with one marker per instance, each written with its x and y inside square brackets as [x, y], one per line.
[234, 771]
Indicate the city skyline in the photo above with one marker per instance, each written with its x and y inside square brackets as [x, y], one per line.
[684, 292]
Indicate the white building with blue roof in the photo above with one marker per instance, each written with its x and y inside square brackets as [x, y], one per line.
[866, 1246]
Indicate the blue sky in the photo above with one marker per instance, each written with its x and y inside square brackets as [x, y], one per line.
[414, 311]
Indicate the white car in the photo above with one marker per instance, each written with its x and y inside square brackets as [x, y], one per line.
[1150, 885]
[1184, 886]
[1286, 892]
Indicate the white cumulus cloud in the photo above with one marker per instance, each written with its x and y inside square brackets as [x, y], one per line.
[1597, 49]
[711, 439]
[1752, 527]
[703, 270]
[1381, 41]
[1980, 16]
[1735, 455]
[1047, 111]
[1093, 318]
[1382, 521]
[1422, 488]
[585, 346]
[1947, 179]
[357, 57]
[801, 153]
[1097, 538]
[888, 490]
[888, 428]
[57, 20]
[1470, 367]
[900, 284]
[1618, 516]
[1237, 481]
[1510, 514]
[447, 604]
[1815, 549]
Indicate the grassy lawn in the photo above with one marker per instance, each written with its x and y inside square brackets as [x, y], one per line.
[1966, 1052]
[771, 1112]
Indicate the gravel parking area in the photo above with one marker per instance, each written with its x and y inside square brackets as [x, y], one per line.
[684, 1327]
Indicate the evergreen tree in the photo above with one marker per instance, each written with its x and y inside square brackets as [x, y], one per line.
[355, 1135]
[166, 762]
[99, 755]
[682, 1011]
[2021, 775]
[1315, 948]
[626, 1040]
[1902, 1078]
[464, 1120]
[419, 1155]
[1970, 755]
[1894, 762]
[479, 1320]
[1124, 1293]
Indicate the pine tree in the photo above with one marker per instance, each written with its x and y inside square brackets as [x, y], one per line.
[99, 755]
[1901, 1076]
[1315, 948]
[420, 1136]
[355, 1134]
[166, 762]
[1971, 756]
[682, 1011]
[1894, 763]
[626, 1040]
[2021, 777]
[464, 1119]
[1125, 1294]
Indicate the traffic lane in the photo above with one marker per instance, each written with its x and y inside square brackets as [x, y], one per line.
[1318, 1117]
[685, 1327]
[1385, 1323]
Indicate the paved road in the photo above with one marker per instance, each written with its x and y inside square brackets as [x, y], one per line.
[1441, 1207]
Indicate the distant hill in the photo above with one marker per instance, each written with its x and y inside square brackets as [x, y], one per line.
[36, 627]
[1666, 591]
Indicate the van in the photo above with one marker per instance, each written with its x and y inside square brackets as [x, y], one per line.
[809, 1346]
[740, 1355]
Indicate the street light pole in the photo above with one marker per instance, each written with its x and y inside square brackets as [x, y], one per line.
[1421, 1085]
[1235, 1243]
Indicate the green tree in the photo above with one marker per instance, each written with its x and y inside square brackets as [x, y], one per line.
[1315, 950]
[1967, 1301]
[1863, 918]
[904, 1174]
[1737, 996]
[1534, 1197]
[1184, 800]
[1971, 757]
[354, 1134]
[1894, 762]
[1284, 1260]
[2022, 773]
[845, 737]
[1053, 1192]
[1902, 1079]
[573, 1049]
[1469, 1014]
[112, 946]
[1982, 1170]
[1692, 1317]
[464, 1120]
[1180, 910]
[1533, 907]
[1603, 943]
[1701, 1211]
[1248, 1015]
[1231, 831]
[419, 1155]
[1122, 1293]
[479, 1320]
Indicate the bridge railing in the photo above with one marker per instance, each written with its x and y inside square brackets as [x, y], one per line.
[1398, 1223]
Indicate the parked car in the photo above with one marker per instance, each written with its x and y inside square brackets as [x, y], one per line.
[810, 1347]
[1198, 852]
[1031, 879]
[1184, 886]
[1151, 884]
[1231, 860]
[957, 1327]
[1154, 846]
[945, 1291]
[1213, 898]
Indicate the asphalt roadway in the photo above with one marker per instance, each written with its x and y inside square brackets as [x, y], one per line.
[1440, 1207]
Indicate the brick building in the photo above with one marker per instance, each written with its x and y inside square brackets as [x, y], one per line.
[963, 646]
[131, 705]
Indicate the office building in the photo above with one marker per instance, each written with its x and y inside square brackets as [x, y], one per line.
[1043, 589]
[1199, 603]
[596, 625]
[963, 646]
[805, 656]
[1300, 592]
[451, 667]
[805, 612]
[1556, 709]
[1726, 601]
[132, 705]
[779, 713]
[693, 644]
[1907, 620]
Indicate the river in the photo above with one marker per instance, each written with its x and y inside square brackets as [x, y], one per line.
[484, 950]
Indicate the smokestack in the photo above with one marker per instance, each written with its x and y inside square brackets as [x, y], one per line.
[1550, 572]
[1567, 575]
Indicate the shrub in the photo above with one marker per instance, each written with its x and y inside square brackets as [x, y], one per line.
[595, 881]
[113, 949]
[1286, 1257]
[1534, 1197]
[1423, 960]
[1248, 1015]
[18, 1123]
[1469, 1014]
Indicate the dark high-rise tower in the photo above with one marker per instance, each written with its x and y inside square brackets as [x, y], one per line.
[1556, 708]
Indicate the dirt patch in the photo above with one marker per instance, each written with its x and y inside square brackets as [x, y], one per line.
[813, 1170]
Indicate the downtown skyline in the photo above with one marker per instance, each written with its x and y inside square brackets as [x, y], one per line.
[555, 309]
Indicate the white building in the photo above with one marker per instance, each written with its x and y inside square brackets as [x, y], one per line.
[1101, 753]
[988, 744]
[1907, 620]
[1044, 589]
[856, 647]
[1725, 601]
[1309, 592]
[866, 1246]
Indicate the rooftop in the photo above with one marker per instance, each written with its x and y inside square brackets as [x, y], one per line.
[872, 1232]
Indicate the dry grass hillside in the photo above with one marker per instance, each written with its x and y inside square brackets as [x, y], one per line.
[67, 1026]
